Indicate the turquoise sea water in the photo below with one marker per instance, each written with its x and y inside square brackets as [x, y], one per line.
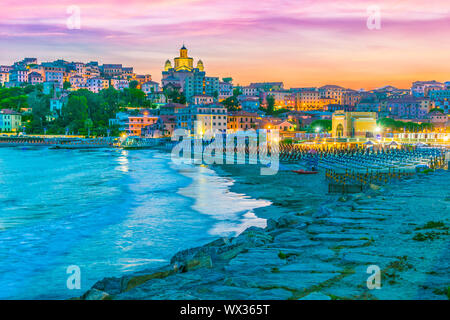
[109, 212]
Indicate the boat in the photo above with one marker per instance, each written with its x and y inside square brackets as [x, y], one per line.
[301, 171]
[135, 142]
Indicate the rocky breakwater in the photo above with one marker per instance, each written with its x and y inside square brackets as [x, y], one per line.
[317, 254]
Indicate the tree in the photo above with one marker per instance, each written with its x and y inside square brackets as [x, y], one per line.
[270, 104]
[14, 98]
[40, 105]
[437, 109]
[75, 113]
[66, 85]
[133, 84]
[322, 125]
[174, 95]
[231, 103]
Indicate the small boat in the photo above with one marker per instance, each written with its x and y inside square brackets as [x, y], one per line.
[305, 172]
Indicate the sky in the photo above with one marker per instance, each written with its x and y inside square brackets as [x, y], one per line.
[356, 44]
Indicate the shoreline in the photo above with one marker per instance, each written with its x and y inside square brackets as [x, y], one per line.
[312, 248]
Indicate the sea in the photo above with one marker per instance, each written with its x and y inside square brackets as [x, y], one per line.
[105, 213]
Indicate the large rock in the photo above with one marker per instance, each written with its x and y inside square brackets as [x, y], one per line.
[322, 212]
[95, 294]
[290, 220]
[317, 266]
[316, 296]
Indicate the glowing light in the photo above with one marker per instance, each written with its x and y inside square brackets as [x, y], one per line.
[377, 129]
[318, 129]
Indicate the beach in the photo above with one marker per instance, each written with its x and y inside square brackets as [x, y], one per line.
[315, 246]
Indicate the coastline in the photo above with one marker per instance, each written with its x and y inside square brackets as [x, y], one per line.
[315, 246]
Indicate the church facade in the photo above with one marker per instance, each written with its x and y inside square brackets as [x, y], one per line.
[190, 80]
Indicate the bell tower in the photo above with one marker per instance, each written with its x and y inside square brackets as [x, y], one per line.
[183, 52]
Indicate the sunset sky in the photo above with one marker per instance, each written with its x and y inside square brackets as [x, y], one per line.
[303, 43]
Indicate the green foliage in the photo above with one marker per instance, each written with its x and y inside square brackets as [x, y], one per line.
[325, 125]
[270, 104]
[231, 103]
[237, 92]
[429, 235]
[40, 105]
[174, 95]
[75, 112]
[66, 85]
[433, 225]
[14, 98]
[396, 125]
[133, 84]
[437, 109]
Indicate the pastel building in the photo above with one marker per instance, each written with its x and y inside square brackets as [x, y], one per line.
[150, 87]
[408, 107]
[351, 97]
[200, 118]
[171, 108]
[354, 124]
[242, 120]
[54, 74]
[35, 78]
[225, 90]
[308, 100]
[249, 103]
[97, 84]
[203, 99]
[420, 88]
[4, 77]
[18, 76]
[250, 91]
[439, 119]
[137, 123]
[267, 86]
[10, 120]
[120, 84]
[115, 70]
[77, 82]
[441, 99]
[332, 92]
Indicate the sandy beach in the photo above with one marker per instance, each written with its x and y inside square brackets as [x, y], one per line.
[315, 246]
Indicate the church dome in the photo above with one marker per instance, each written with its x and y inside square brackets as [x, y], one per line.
[168, 65]
[200, 65]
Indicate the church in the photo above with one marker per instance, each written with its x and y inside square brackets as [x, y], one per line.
[183, 62]
[191, 81]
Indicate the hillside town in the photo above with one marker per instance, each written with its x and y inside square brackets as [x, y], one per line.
[92, 99]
